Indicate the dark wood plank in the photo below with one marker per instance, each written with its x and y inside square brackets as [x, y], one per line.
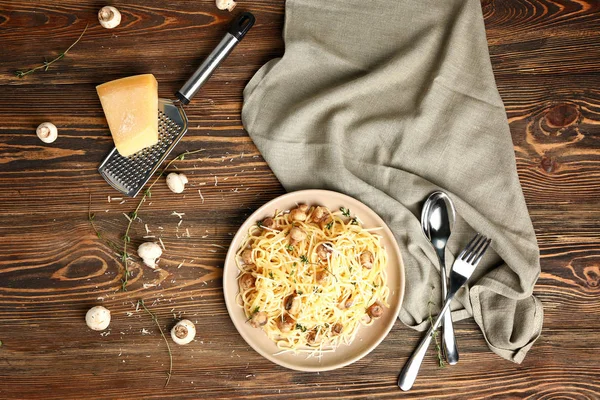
[53, 268]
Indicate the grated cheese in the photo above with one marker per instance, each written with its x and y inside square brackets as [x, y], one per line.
[180, 215]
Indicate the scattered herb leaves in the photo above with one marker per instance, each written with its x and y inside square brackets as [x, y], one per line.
[289, 247]
[345, 211]
[301, 328]
[329, 225]
[271, 275]
[304, 259]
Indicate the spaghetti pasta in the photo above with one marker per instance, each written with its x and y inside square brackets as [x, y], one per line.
[311, 277]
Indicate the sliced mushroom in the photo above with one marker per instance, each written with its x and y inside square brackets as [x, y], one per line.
[292, 304]
[323, 251]
[366, 259]
[297, 235]
[337, 328]
[344, 304]
[313, 337]
[247, 281]
[247, 257]
[321, 277]
[285, 323]
[299, 213]
[259, 319]
[320, 214]
[375, 310]
[268, 223]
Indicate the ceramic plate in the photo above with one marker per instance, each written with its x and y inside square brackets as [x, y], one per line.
[368, 337]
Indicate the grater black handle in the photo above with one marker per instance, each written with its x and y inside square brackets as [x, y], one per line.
[238, 29]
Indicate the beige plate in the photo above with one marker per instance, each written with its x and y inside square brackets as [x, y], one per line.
[368, 337]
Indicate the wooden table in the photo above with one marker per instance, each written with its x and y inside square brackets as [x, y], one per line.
[53, 267]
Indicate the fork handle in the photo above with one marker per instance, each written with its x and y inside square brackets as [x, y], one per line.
[411, 368]
[448, 337]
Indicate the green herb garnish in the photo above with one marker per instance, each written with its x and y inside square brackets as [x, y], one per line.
[301, 328]
[289, 247]
[345, 211]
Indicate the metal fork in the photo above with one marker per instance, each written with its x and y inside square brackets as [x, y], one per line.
[461, 271]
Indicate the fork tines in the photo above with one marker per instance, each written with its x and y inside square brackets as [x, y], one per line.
[475, 250]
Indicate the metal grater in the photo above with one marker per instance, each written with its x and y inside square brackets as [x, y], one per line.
[128, 175]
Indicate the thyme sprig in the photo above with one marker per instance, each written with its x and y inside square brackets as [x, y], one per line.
[346, 213]
[91, 218]
[47, 64]
[170, 372]
[436, 340]
[134, 215]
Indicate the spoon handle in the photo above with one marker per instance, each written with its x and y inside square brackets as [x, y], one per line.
[411, 368]
[448, 338]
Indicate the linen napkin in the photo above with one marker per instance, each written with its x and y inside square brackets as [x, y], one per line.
[387, 101]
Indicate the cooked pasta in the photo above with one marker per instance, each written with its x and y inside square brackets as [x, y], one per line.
[309, 278]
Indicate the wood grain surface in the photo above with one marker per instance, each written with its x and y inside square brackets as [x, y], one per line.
[545, 55]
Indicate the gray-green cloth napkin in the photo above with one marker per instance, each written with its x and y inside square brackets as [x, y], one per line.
[387, 101]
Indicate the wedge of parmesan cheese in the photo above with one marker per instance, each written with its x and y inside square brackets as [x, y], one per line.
[131, 108]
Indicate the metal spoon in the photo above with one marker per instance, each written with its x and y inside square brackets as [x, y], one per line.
[437, 219]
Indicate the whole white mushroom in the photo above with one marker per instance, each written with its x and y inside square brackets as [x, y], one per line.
[47, 132]
[176, 182]
[183, 332]
[97, 318]
[149, 252]
[109, 17]
[228, 5]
